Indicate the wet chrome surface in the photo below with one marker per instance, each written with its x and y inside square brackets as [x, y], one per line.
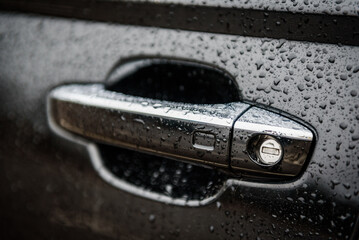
[197, 133]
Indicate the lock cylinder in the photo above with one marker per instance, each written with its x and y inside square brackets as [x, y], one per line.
[265, 150]
[269, 145]
[270, 152]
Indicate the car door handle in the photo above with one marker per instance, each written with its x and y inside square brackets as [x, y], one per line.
[217, 135]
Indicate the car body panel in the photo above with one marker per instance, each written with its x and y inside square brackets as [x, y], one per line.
[49, 188]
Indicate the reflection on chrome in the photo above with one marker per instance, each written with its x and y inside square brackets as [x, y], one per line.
[225, 136]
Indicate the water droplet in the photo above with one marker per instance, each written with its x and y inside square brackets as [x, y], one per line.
[300, 87]
[310, 67]
[343, 77]
[152, 218]
[343, 125]
[331, 59]
[157, 105]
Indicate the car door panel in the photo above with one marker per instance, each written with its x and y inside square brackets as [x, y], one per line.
[49, 188]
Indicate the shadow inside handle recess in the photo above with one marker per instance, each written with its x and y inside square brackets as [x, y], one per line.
[177, 81]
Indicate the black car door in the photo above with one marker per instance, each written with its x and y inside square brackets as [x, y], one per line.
[295, 59]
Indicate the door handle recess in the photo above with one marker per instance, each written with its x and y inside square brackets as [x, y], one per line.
[231, 136]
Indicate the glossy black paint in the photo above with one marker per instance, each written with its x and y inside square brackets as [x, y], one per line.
[50, 190]
[325, 27]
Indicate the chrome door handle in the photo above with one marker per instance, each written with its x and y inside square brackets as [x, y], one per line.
[217, 135]
[196, 133]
